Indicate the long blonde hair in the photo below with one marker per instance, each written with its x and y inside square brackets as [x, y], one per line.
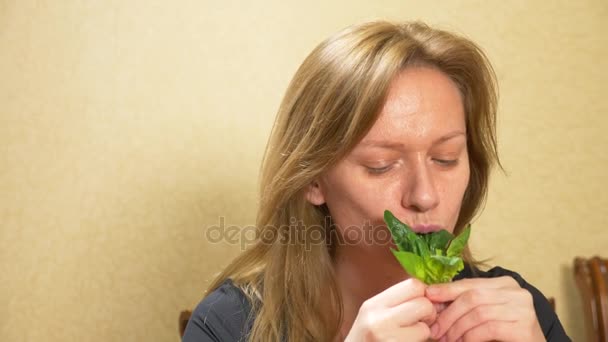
[331, 103]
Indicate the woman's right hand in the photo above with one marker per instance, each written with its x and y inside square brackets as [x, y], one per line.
[399, 313]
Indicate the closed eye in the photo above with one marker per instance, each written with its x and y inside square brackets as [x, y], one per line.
[378, 170]
[446, 162]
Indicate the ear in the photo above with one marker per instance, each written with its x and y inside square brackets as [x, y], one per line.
[313, 193]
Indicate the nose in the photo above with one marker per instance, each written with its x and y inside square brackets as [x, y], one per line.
[420, 193]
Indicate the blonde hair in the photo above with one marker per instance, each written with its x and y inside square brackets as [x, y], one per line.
[331, 103]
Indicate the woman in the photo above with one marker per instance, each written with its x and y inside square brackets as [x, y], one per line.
[379, 116]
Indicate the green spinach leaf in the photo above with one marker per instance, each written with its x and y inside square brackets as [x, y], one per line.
[432, 258]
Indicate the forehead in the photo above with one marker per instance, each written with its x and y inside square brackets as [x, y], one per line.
[422, 103]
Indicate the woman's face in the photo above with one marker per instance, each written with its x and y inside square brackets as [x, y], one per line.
[413, 162]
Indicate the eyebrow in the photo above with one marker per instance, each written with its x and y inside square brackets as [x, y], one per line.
[393, 145]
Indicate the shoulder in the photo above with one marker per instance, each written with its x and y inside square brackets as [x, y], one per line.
[223, 315]
[547, 317]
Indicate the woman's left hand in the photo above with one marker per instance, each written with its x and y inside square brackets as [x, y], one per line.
[484, 309]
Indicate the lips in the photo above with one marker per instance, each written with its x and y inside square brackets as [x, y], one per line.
[422, 227]
[426, 228]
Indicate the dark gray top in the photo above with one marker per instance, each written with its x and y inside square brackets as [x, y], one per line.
[223, 314]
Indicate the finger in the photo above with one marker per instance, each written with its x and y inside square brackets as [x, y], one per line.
[412, 311]
[450, 291]
[467, 302]
[421, 332]
[491, 331]
[440, 306]
[418, 332]
[398, 293]
[429, 320]
[478, 316]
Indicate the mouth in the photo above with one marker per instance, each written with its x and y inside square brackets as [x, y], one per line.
[426, 228]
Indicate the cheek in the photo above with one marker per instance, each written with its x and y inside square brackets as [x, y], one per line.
[453, 189]
[455, 181]
[456, 185]
[353, 200]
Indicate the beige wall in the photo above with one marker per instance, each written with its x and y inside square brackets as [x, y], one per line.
[128, 127]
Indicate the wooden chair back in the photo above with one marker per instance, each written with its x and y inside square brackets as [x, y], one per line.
[591, 277]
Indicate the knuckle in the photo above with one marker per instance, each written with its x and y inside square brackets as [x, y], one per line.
[369, 306]
[417, 286]
[508, 280]
[474, 296]
[479, 314]
[366, 306]
[526, 296]
[369, 322]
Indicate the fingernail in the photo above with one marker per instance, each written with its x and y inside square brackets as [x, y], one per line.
[434, 330]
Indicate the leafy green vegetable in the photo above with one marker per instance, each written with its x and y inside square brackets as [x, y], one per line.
[433, 258]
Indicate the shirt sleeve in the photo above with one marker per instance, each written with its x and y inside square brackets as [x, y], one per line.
[547, 318]
[221, 316]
